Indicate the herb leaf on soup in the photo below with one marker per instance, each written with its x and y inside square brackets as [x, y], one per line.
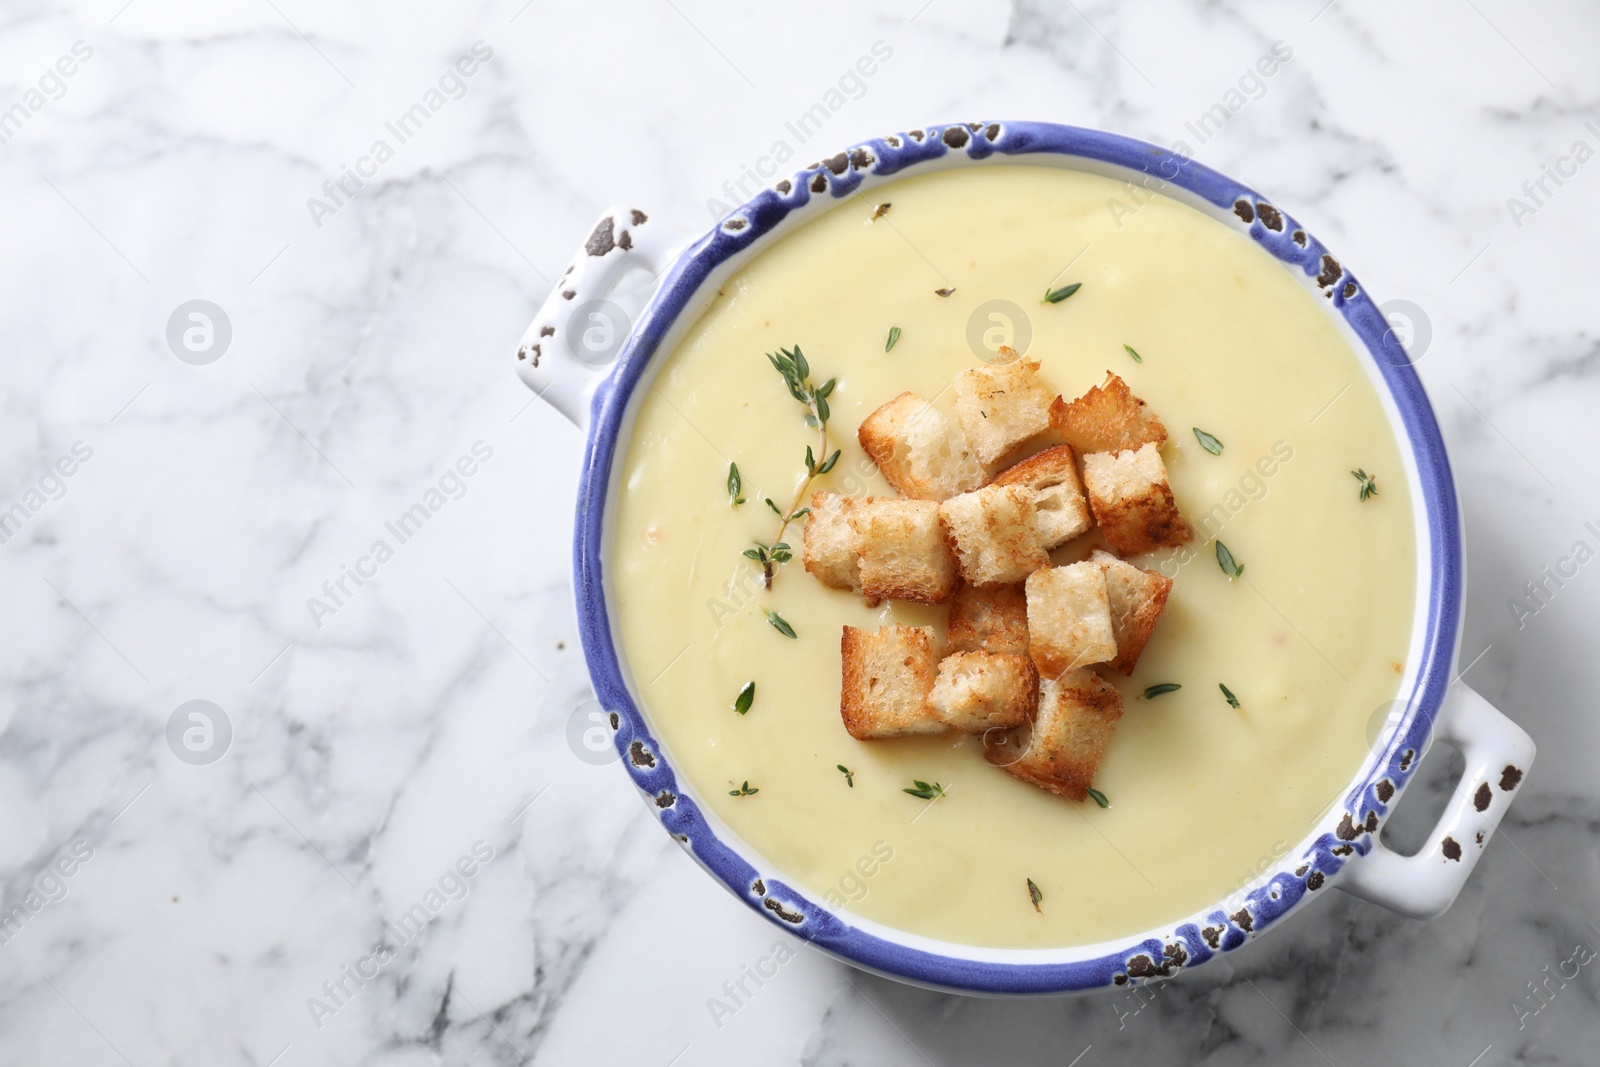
[849, 775]
[746, 697]
[1225, 560]
[894, 339]
[1369, 484]
[1055, 296]
[1098, 797]
[1159, 690]
[1233, 701]
[780, 624]
[1208, 442]
[1137, 358]
[735, 485]
[925, 790]
[1035, 895]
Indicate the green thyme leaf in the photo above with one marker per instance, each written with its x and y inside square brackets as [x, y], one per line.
[944, 292]
[925, 790]
[745, 790]
[779, 624]
[849, 775]
[1158, 690]
[811, 461]
[827, 388]
[1099, 797]
[758, 554]
[822, 408]
[1137, 358]
[894, 337]
[746, 697]
[1226, 562]
[1055, 296]
[1369, 484]
[800, 363]
[798, 513]
[1207, 442]
[780, 553]
[1035, 895]
[1233, 701]
[775, 509]
[735, 484]
[827, 464]
[881, 210]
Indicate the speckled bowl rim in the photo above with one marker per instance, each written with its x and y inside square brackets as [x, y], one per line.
[1345, 834]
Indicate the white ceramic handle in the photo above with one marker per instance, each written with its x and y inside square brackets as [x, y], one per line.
[1498, 754]
[556, 358]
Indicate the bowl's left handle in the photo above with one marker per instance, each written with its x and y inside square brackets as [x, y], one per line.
[579, 332]
[1498, 754]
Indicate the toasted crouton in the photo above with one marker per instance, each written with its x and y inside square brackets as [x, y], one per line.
[1133, 502]
[888, 674]
[832, 546]
[1137, 598]
[1069, 618]
[1108, 418]
[904, 552]
[1061, 513]
[993, 532]
[918, 450]
[993, 619]
[1001, 405]
[1061, 749]
[979, 691]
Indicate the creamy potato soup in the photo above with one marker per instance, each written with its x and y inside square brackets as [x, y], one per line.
[1311, 638]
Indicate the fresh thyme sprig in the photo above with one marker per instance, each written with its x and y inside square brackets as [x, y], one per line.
[745, 790]
[849, 775]
[1369, 484]
[925, 790]
[791, 363]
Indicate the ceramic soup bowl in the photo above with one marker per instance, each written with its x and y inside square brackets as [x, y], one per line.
[580, 356]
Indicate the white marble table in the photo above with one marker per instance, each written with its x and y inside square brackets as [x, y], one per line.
[417, 720]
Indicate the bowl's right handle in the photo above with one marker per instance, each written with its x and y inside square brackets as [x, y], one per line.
[578, 332]
[1498, 754]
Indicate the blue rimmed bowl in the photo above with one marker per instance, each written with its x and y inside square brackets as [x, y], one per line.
[581, 355]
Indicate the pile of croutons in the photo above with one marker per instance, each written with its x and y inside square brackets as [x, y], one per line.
[1023, 636]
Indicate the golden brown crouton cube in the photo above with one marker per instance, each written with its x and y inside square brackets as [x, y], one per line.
[1132, 501]
[1137, 598]
[904, 552]
[1061, 749]
[832, 547]
[1108, 418]
[1061, 512]
[1069, 618]
[992, 619]
[978, 691]
[918, 450]
[993, 533]
[1001, 405]
[888, 674]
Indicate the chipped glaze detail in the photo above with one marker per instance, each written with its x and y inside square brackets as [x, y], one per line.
[1344, 850]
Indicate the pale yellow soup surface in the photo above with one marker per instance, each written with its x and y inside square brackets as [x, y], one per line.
[1312, 638]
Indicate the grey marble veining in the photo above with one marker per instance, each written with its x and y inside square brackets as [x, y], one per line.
[417, 725]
